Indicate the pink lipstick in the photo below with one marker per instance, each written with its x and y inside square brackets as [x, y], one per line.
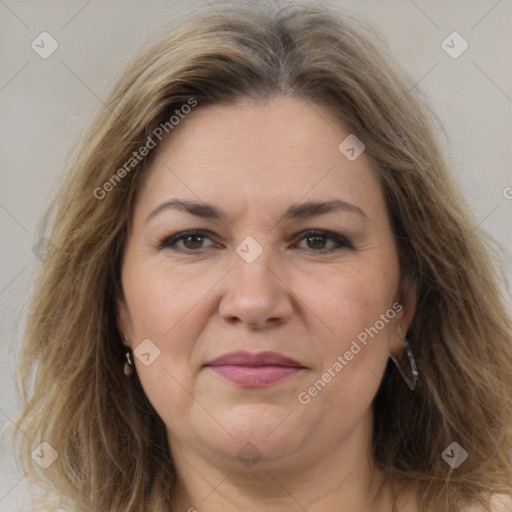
[255, 370]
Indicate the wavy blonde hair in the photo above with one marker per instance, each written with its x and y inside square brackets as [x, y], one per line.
[112, 446]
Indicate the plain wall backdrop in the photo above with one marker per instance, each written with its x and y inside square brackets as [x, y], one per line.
[46, 103]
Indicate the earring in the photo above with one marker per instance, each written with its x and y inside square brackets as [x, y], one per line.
[415, 374]
[128, 365]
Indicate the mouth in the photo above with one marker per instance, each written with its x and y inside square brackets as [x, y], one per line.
[255, 370]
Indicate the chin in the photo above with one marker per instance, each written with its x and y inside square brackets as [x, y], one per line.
[264, 431]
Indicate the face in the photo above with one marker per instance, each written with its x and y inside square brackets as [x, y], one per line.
[270, 324]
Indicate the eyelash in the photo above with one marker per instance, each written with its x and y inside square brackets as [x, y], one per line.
[170, 241]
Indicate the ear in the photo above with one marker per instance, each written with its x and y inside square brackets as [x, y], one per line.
[407, 298]
[123, 320]
[405, 308]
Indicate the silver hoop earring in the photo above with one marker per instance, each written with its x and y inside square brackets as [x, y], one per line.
[411, 383]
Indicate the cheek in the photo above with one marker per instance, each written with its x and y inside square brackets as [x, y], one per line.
[355, 321]
[166, 307]
[171, 307]
[351, 299]
[162, 299]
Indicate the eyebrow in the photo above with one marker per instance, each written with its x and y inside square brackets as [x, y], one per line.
[294, 212]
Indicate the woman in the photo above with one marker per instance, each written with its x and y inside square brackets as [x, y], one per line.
[258, 224]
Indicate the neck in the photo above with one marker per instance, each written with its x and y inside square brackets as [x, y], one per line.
[276, 493]
[342, 479]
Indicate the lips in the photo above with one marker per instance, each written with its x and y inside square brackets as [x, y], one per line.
[255, 370]
[247, 359]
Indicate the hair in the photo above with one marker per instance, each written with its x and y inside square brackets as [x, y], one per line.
[112, 447]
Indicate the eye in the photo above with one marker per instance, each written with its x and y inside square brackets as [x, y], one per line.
[192, 241]
[317, 240]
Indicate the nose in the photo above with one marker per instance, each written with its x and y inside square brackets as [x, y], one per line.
[256, 294]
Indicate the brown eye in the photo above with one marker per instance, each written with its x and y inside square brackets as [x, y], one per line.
[317, 241]
[193, 241]
[189, 241]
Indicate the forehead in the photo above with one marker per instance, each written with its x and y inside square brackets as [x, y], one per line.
[274, 152]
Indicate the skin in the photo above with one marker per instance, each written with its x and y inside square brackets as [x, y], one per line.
[254, 160]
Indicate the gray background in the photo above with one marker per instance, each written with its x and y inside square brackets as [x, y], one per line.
[46, 103]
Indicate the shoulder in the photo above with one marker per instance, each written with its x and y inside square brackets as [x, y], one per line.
[499, 503]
